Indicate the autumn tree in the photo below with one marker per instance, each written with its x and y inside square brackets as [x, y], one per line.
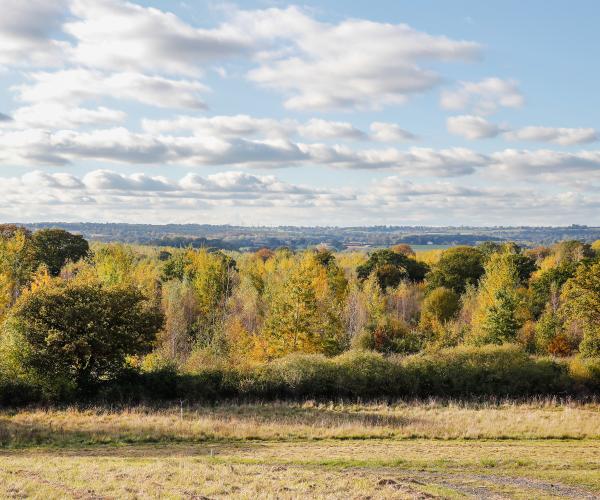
[17, 263]
[56, 247]
[497, 316]
[404, 249]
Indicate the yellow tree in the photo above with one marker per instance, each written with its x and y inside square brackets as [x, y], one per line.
[17, 264]
[498, 311]
[305, 305]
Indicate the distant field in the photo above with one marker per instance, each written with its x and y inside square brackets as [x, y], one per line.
[421, 450]
[424, 248]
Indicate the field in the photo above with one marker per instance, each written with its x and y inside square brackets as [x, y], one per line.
[535, 449]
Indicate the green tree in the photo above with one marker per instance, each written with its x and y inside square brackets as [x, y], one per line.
[212, 277]
[74, 335]
[56, 247]
[391, 268]
[500, 324]
[581, 304]
[457, 268]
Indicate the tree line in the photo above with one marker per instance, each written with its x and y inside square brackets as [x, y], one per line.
[75, 315]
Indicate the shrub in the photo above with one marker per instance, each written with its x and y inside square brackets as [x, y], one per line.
[489, 370]
[388, 335]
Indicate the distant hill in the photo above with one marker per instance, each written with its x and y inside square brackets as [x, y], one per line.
[252, 238]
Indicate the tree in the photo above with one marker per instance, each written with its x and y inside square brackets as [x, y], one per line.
[75, 335]
[500, 323]
[292, 323]
[8, 231]
[441, 305]
[524, 265]
[17, 264]
[546, 286]
[212, 277]
[581, 304]
[55, 247]
[404, 249]
[391, 268]
[497, 317]
[180, 310]
[457, 268]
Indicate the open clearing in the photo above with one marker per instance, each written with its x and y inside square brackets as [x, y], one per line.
[416, 450]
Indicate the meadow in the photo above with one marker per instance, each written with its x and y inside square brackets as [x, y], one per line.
[539, 448]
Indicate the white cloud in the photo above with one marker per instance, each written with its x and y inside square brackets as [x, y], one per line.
[415, 161]
[57, 116]
[390, 132]
[352, 64]
[266, 199]
[26, 32]
[472, 127]
[559, 135]
[241, 126]
[73, 86]
[105, 193]
[483, 97]
[37, 146]
[123, 36]
[323, 130]
[109, 180]
[232, 126]
[526, 163]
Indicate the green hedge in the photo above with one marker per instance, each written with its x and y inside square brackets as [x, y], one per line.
[461, 372]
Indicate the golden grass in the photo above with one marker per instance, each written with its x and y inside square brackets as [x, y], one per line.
[285, 421]
[539, 449]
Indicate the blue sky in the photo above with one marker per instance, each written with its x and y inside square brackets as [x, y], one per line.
[345, 113]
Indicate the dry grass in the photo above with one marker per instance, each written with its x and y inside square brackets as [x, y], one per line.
[285, 421]
[539, 449]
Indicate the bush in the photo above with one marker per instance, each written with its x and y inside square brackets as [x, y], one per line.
[461, 372]
[585, 374]
[69, 336]
[388, 335]
[483, 371]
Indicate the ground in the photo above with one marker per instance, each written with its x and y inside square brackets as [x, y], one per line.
[537, 449]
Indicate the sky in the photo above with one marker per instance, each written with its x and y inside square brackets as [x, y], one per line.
[324, 113]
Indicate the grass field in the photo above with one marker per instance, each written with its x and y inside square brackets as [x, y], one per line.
[539, 449]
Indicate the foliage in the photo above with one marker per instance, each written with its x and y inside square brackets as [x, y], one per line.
[56, 247]
[442, 304]
[457, 268]
[391, 268]
[279, 323]
[496, 318]
[71, 335]
[387, 336]
[582, 305]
